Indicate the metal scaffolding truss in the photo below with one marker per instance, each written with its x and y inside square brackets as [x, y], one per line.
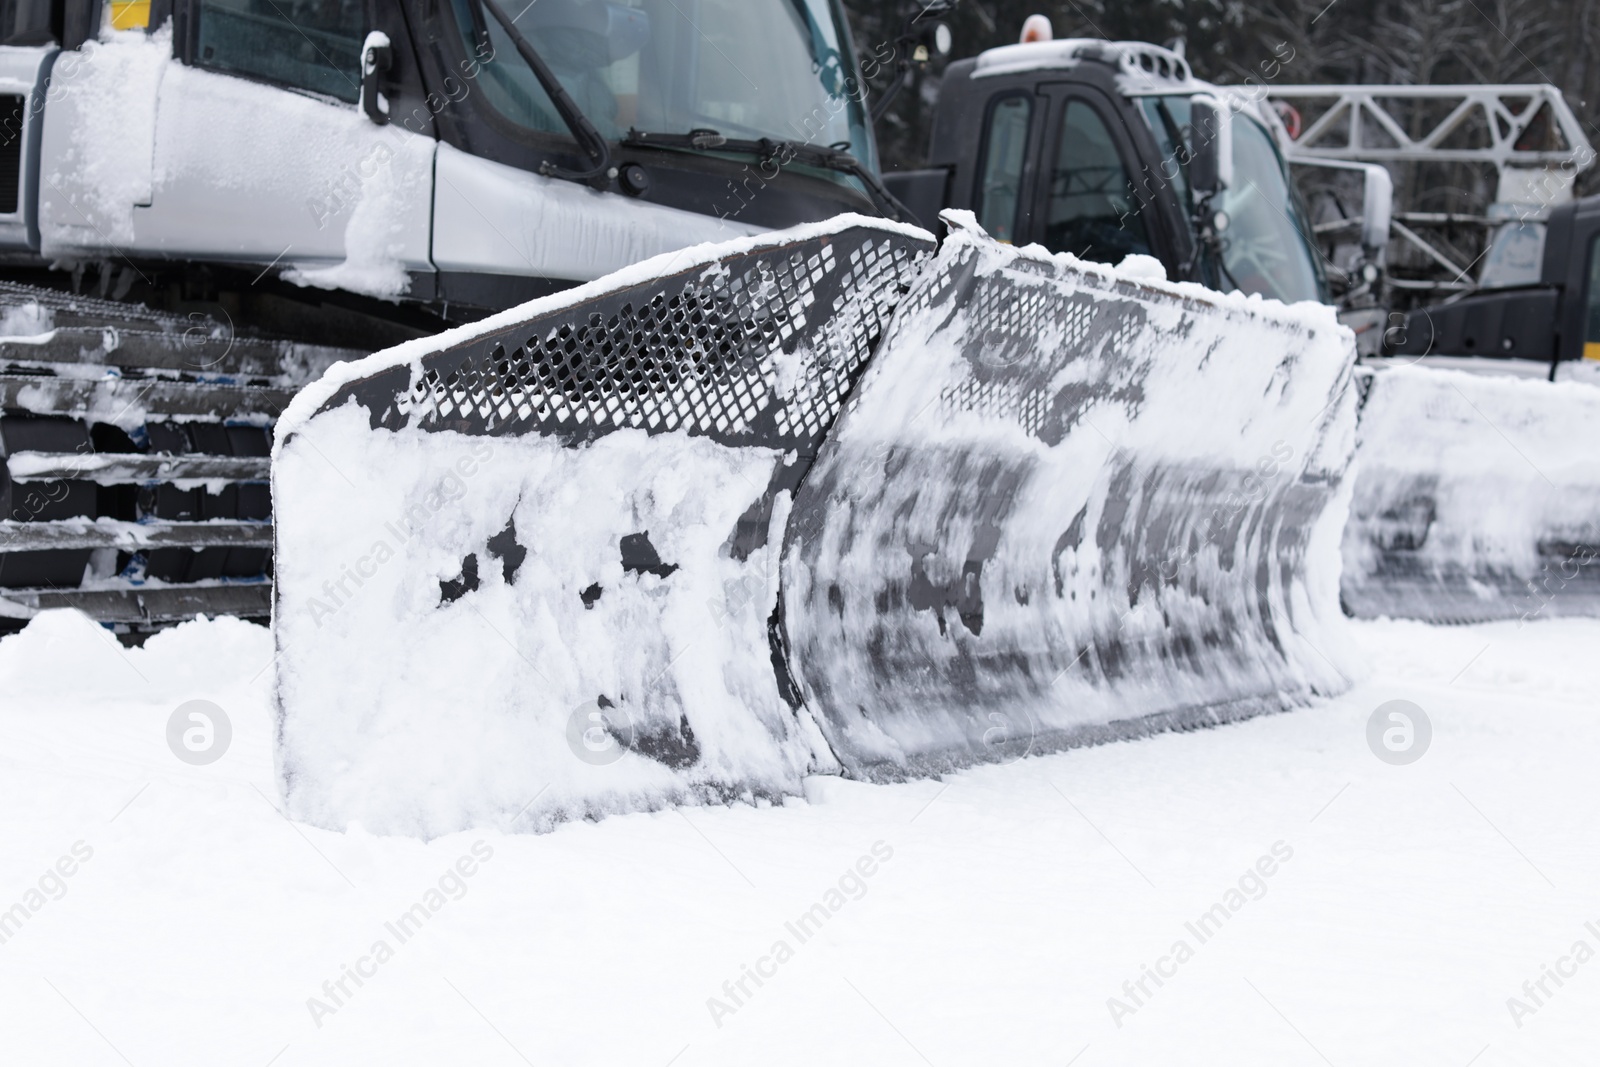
[1527, 133]
[1484, 124]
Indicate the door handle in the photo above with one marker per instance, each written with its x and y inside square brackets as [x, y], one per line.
[377, 56]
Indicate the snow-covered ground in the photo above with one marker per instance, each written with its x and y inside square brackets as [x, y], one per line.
[1003, 910]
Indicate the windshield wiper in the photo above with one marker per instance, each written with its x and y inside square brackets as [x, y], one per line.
[587, 135]
[783, 153]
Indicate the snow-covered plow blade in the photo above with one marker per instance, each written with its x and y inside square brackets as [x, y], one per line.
[672, 537]
[1064, 507]
[1476, 498]
[528, 569]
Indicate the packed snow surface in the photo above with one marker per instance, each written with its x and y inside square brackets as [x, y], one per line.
[1005, 907]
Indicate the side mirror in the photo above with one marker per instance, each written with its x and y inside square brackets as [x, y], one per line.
[1211, 147]
[1377, 209]
[1377, 212]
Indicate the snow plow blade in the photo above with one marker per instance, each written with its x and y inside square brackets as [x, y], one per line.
[1475, 498]
[1067, 506]
[672, 538]
[528, 568]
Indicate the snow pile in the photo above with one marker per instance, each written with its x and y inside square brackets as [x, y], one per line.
[1137, 267]
[1071, 503]
[27, 323]
[66, 654]
[386, 195]
[1469, 487]
[1579, 370]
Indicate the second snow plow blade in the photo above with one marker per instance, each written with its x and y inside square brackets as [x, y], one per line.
[1067, 506]
[1475, 498]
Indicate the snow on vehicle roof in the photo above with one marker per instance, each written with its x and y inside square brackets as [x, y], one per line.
[1146, 68]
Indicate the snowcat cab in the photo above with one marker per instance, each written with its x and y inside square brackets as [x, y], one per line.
[1107, 149]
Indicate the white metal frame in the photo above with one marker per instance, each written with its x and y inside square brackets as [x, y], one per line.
[1359, 127]
[1507, 111]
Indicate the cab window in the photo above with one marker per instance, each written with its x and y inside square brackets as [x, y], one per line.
[1091, 213]
[313, 45]
[1005, 147]
[749, 69]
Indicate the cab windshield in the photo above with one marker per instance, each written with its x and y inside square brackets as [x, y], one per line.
[749, 69]
[1266, 247]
